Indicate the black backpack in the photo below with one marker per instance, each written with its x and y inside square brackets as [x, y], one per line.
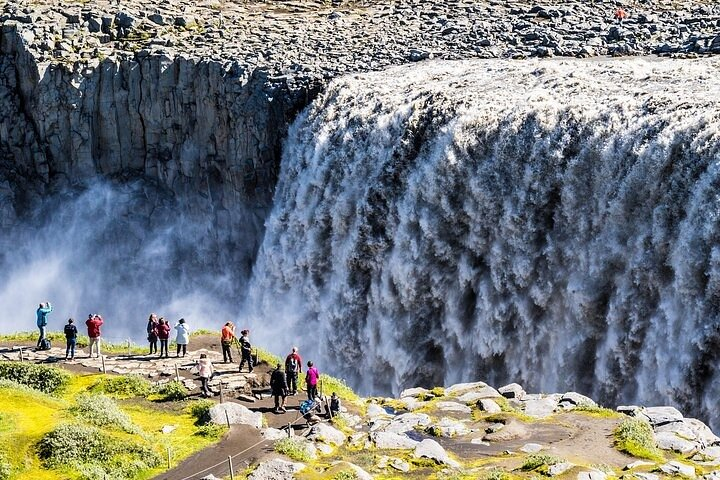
[291, 366]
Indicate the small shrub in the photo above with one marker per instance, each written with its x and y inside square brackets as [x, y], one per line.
[40, 377]
[635, 437]
[293, 448]
[5, 469]
[211, 430]
[124, 386]
[596, 410]
[173, 391]
[345, 475]
[95, 454]
[496, 474]
[201, 410]
[537, 460]
[102, 411]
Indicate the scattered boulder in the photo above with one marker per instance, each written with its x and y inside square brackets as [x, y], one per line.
[236, 414]
[540, 407]
[531, 448]
[592, 475]
[338, 467]
[276, 469]
[559, 468]
[512, 390]
[272, 434]
[677, 468]
[659, 416]
[489, 406]
[407, 421]
[460, 388]
[453, 407]
[392, 441]
[431, 449]
[447, 427]
[670, 441]
[326, 433]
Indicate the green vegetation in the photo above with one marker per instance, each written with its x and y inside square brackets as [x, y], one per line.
[293, 448]
[596, 411]
[345, 475]
[496, 474]
[539, 462]
[5, 469]
[94, 453]
[39, 377]
[200, 410]
[635, 437]
[58, 338]
[211, 430]
[172, 391]
[123, 386]
[102, 411]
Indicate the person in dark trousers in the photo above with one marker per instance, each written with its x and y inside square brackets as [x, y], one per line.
[279, 388]
[227, 336]
[70, 339]
[42, 312]
[152, 334]
[163, 335]
[293, 368]
[311, 379]
[334, 404]
[183, 337]
[206, 371]
[246, 350]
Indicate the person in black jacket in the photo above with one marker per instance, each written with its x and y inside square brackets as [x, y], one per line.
[70, 338]
[245, 350]
[279, 388]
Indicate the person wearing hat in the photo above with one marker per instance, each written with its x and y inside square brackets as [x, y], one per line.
[245, 350]
[279, 388]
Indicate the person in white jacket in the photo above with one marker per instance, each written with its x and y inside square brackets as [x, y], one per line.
[183, 337]
[205, 370]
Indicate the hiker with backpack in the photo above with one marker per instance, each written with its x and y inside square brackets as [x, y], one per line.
[245, 351]
[163, 330]
[334, 404]
[279, 388]
[206, 371]
[152, 334]
[227, 337]
[42, 312]
[183, 337]
[93, 323]
[70, 332]
[293, 368]
[311, 379]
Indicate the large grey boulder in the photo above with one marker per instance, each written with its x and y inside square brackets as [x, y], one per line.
[407, 421]
[453, 407]
[431, 449]
[512, 390]
[459, 388]
[447, 427]
[338, 467]
[489, 406]
[276, 469]
[677, 468]
[392, 441]
[236, 414]
[325, 433]
[540, 407]
[661, 415]
[670, 441]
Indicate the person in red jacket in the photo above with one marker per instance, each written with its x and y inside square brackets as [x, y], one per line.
[293, 368]
[227, 337]
[163, 333]
[93, 323]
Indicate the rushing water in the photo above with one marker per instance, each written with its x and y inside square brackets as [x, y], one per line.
[553, 223]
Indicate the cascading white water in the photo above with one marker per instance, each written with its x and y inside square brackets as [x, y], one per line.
[554, 223]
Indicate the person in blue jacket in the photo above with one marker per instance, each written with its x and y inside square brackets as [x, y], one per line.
[42, 312]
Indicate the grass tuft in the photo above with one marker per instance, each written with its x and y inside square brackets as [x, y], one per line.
[293, 448]
[635, 437]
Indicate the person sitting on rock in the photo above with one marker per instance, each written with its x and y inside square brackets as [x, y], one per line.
[293, 368]
[334, 404]
[152, 332]
[227, 336]
[246, 351]
[279, 388]
[206, 371]
[163, 335]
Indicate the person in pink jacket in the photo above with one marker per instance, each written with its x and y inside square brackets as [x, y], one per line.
[163, 333]
[311, 379]
[206, 371]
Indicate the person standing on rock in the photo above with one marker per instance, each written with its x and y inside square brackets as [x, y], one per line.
[183, 337]
[70, 332]
[42, 312]
[163, 335]
[246, 351]
[311, 379]
[206, 371]
[279, 388]
[293, 368]
[94, 322]
[152, 334]
[227, 336]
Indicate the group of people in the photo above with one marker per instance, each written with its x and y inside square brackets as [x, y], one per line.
[93, 324]
[158, 329]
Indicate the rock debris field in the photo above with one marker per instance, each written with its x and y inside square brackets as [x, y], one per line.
[330, 38]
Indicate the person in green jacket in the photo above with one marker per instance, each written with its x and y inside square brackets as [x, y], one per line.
[42, 312]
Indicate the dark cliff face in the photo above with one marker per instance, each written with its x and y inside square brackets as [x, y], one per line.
[152, 177]
[206, 138]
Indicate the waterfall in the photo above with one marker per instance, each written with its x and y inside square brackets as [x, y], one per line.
[554, 223]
